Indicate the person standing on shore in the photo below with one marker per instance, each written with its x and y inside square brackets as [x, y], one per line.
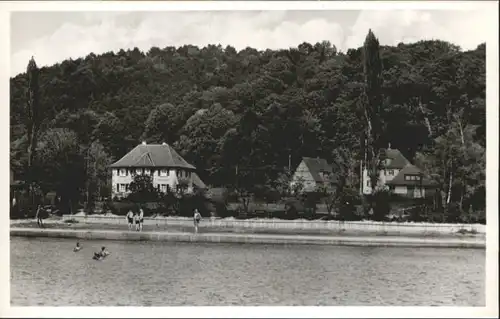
[141, 218]
[130, 219]
[196, 219]
[38, 216]
[136, 221]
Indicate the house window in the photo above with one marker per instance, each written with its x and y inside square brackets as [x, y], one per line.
[123, 188]
[138, 171]
[168, 188]
[390, 172]
[117, 187]
[164, 188]
[146, 171]
[368, 183]
[123, 172]
[407, 177]
[163, 172]
[126, 187]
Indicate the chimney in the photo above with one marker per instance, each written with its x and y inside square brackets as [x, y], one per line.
[143, 142]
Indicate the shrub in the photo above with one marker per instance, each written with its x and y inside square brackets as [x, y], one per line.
[381, 204]
[121, 208]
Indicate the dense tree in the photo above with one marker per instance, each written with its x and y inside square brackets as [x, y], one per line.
[97, 173]
[60, 165]
[242, 116]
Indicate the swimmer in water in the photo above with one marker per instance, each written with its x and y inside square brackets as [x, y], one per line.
[100, 255]
[77, 248]
[104, 252]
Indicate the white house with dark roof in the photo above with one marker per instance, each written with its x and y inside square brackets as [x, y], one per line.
[160, 161]
[313, 173]
[399, 176]
[411, 182]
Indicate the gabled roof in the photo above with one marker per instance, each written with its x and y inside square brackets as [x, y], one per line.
[197, 181]
[317, 166]
[394, 159]
[153, 155]
[410, 169]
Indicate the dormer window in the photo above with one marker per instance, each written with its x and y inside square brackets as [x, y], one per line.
[138, 171]
[123, 172]
[147, 171]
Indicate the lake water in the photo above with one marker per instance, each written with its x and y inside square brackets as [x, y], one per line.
[45, 272]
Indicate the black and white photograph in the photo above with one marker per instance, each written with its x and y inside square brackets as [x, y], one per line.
[251, 157]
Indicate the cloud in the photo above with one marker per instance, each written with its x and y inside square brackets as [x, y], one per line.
[464, 28]
[102, 32]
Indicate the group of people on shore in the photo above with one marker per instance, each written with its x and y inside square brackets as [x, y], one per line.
[133, 218]
[136, 218]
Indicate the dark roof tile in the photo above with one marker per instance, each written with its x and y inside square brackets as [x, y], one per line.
[318, 165]
[153, 155]
[395, 159]
[410, 169]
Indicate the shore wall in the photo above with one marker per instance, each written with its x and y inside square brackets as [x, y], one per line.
[368, 226]
[248, 239]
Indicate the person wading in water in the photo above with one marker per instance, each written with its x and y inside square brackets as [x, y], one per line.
[196, 220]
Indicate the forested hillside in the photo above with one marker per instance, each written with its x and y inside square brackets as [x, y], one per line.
[221, 108]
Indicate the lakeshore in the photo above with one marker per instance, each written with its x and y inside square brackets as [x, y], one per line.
[250, 238]
[263, 226]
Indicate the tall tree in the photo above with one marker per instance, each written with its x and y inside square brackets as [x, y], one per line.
[33, 117]
[61, 165]
[372, 67]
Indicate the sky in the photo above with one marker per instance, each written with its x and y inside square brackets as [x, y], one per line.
[52, 37]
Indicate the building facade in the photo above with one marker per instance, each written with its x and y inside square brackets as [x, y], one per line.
[399, 176]
[313, 173]
[160, 161]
